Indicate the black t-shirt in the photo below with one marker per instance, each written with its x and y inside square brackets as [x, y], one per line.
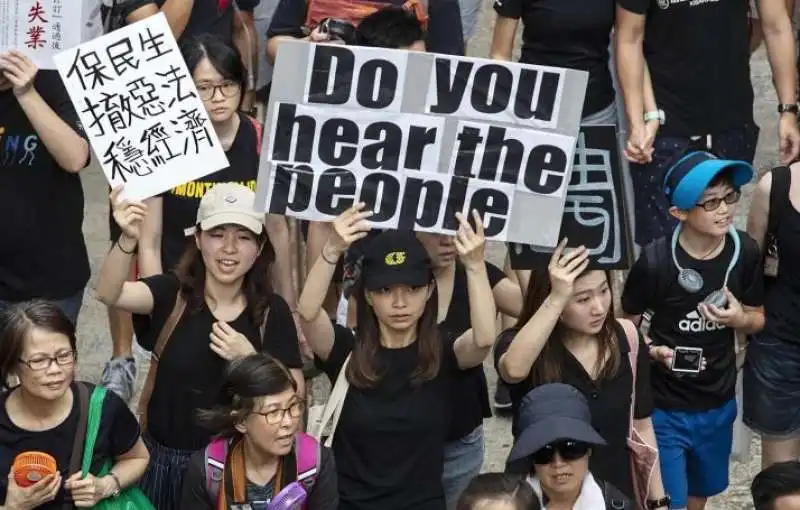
[118, 433]
[42, 254]
[653, 284]
[323, 496]
[189, 373]
[568, 33]
[119, 12]
[214, 16]
[444, 33]
[470, 393]
[179, 207]
[701, 78]
[782, 299]
[389, 443]
[609, 403]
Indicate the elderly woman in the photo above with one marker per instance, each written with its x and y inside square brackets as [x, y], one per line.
[556, 440]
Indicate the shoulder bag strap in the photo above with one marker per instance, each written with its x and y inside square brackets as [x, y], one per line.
[259, 128]
[161, 342]
[778, 196]
[334, 405]
[632, 336]
[92, 427]
[80, 433]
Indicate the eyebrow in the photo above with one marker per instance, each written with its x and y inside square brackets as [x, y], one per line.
[604, 284]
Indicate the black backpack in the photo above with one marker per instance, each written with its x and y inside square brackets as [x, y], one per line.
[615, 499]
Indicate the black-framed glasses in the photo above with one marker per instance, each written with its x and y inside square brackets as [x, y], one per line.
[226, 88]
[568, 450]
[275, 416]
[714, 203]
[39, 362]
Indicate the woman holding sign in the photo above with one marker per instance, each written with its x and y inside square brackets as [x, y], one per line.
[216, 306]
[389, 442]
[567, 333]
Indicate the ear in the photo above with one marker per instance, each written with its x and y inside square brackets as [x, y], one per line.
[678, 214]
[197, 239]
[241, 427]
[368, 298]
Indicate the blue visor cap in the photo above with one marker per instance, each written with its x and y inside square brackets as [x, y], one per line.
[687, 179]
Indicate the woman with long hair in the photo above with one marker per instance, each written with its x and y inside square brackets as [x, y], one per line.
[257, 417]
[217, 306]
[42, 411]
[567, 333]
[389, 443]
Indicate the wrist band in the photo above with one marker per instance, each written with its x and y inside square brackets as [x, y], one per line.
[126, 252]
[322, 254]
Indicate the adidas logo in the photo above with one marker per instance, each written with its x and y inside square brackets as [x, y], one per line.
[696, 323]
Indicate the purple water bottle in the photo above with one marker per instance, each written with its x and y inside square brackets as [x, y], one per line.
[291, 497]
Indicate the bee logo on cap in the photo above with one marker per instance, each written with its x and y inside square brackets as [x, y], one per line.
[231, 199]
[395, 258]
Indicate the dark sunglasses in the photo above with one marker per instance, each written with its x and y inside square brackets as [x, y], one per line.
[568, 450]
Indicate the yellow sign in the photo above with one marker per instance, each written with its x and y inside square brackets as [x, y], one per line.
[395, 258]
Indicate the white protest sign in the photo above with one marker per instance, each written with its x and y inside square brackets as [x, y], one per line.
[139, 106]
[419, 137]
[40, 28]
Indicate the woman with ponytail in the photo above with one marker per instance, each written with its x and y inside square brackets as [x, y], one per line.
[259, 456]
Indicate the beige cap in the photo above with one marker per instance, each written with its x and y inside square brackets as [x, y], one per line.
[229, 203]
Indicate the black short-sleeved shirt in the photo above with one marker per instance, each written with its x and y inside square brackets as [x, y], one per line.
[701, 79]
[43, 253]
[609, 402]
[568, 33]
[118, 433]
[190, 373]
[323, 496]
[213, 16]
[389, 443]
[179, 207]
[652, 284]
[120, 11]
[470, 392]
[444, 23]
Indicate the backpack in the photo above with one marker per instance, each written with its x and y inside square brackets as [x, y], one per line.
[614, 498]
[353, 11]
[307, 452]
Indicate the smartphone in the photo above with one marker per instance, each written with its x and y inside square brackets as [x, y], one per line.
[687, 360]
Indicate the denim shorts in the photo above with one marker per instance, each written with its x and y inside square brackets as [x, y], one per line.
[463, 459]
[694, 448]
[771, 387]
[470, 10]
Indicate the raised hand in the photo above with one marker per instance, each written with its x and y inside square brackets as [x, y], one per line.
[565, 267]
[128, 214]
[470, 243]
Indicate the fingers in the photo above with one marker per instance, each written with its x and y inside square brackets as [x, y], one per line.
[575, 259]
[558, 252]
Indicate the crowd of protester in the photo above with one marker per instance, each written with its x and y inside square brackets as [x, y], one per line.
[604, 411]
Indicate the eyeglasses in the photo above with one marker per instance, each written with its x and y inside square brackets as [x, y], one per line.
[226, 88]
[714, 203]
[39, 363]
[567, 450]
[275, 416]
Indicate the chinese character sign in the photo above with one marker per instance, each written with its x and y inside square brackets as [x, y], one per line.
[139, 106]
[40, 28]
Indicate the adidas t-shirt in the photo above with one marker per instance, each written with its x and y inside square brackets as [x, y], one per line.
[653, 284]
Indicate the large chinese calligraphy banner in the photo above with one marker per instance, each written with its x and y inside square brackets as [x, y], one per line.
[419, 137]
[40, 28]
[140, 108]
[595, 214]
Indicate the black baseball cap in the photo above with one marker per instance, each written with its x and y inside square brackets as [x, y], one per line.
[395, 257]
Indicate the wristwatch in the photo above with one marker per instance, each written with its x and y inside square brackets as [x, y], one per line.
[788, 108]
[655, 504]
[658, 115]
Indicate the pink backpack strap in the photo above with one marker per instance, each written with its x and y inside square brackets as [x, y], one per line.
[214, 461]
[632, 336]
[307, 451]
[259, 132]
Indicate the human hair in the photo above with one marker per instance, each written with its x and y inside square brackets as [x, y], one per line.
[257, 288]
[245, 381]
[781, 479]
[725, 177]
[490, 487]
[391, 27]
[223, 57]
[363, 371]
[16, 322]
[549, 365]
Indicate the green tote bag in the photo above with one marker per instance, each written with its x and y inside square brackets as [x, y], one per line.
[131, 498]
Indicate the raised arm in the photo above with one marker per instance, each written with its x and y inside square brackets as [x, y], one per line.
[517, 362]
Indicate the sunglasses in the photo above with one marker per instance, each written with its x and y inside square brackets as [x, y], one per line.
[714, 203]
[568, 450]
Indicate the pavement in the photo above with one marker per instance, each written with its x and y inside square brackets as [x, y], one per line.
[95, 343]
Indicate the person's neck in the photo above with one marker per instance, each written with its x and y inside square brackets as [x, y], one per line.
[578, 341]
[260, 467]
[393, 339]
[41, 410]
[226, 131]
[219, 294]
[701, 246]
[444, 272]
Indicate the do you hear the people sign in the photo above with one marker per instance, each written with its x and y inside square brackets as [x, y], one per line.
[419, 137]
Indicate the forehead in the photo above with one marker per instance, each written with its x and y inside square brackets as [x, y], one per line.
[716, 191]
[43, 341]
[205, 71]
[279, 400]
[590, 281]
[788, 502]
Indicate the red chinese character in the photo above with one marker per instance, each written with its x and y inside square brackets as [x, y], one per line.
[35, 40]
[36, 12]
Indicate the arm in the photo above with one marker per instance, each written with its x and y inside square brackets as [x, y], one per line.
[177, 13]
[128, 468]
[278, 232]
[629, 31]
[150, 243]
[508, 297]
[246, 41]
[505, 30]
[287, 23]
[644, 428]
[758, 217]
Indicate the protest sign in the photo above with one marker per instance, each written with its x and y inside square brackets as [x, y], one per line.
[40, 28]
[139, 106]
[419, 137]
[595, 214]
